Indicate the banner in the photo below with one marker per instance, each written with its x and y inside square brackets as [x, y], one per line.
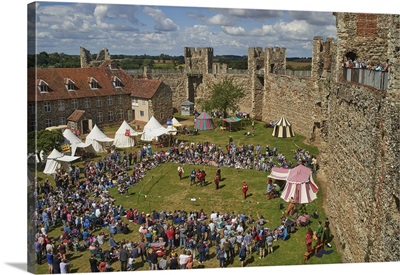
[66, 148]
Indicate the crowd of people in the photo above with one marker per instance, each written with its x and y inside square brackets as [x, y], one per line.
[80, 202]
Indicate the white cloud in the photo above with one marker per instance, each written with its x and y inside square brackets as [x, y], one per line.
[220, 20]
[237, 31]
[254, 14]
[162, 22]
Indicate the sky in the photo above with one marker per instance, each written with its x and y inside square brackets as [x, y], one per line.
[156, 29]
[14, 48]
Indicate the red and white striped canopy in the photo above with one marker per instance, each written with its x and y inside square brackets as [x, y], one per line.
[299, 183]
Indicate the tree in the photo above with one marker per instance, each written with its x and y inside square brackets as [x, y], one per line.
[225, 97]
[44, 140]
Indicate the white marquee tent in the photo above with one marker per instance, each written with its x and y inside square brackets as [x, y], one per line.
[75, 142]
[125, 136]
[98, 139]
[57, 160]
[153, 129]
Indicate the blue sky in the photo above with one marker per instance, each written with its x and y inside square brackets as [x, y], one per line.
[155, 29]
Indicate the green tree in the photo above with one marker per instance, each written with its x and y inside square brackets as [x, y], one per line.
[225, 97]
[44, 140]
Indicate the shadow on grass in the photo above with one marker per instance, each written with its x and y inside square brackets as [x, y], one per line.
[221, 186]
[275, 247]
[249, 260]
[73, 257]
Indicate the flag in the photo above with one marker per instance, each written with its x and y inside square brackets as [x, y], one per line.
[65, 148]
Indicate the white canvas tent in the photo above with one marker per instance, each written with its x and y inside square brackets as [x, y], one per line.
[153, 129]
[75, 142]
[57, 160]
[98, 139]
[176, 123]
[125, 136]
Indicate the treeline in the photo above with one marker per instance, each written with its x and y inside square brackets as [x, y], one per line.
[162, 61]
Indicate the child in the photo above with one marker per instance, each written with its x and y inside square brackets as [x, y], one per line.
[130, 262]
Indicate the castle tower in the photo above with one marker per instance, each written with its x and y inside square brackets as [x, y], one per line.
[275, 60]
[198, 61]
[322, 57]
[256, 69]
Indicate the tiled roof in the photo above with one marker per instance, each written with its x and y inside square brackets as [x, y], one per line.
[76, 115]
[145, 88]
[56, 79]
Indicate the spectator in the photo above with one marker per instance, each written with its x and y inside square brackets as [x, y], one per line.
[64, 266]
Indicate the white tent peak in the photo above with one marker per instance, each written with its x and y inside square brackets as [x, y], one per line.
[98, 139]
[153, 129]
[176, 123]
[123, 136]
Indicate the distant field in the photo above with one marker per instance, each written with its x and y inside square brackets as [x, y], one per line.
[297, 64]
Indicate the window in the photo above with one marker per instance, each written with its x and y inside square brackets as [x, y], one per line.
[110, 115]
[74, 103]
[86, 103]
[121, 114]
[129, 115]
[31, 108]
[32, 125]
[47, 122]
[43, 86]
[99, 102]
[141, 113]
[70, 85]
[117, 82]
[135, 101]
[63, 121]
[100, 117]
[93, 83]
[47, 106]
[110, 101]
[143, 102]
[120, 100]
[61, 105]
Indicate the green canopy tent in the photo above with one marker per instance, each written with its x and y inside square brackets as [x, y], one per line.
[231, 120]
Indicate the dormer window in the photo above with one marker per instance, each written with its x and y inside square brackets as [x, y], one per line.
[117, 82]
[93, 84]
[43, 86]
[70, 85]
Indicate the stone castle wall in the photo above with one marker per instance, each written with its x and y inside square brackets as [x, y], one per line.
[361, 192]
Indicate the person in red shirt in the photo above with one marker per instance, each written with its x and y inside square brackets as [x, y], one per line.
[171, 237]
[309, 240]
[245, 188]
[180, 171]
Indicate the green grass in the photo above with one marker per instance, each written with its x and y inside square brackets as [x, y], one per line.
[161, 189]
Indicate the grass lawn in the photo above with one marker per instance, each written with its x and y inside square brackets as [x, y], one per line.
[161, 189]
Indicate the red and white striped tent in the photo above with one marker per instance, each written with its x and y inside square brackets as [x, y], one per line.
[299, 183]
